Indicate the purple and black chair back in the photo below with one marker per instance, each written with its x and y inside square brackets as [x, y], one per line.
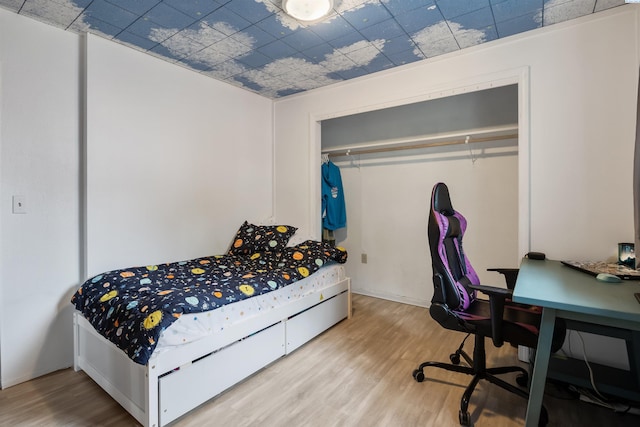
[452, 271]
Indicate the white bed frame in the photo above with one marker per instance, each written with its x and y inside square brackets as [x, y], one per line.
[158, 393]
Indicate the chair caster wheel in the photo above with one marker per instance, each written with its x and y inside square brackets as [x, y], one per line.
[455, 358]
[418, 375]
[522, 380]
[465, 419]
[544, 417]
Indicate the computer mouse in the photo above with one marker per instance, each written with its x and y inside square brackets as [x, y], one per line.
[609, 278]
[540, 256]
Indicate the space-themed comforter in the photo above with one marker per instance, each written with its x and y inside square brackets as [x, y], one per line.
[131, 307]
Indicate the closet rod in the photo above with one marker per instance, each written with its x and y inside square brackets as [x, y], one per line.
[466, 140]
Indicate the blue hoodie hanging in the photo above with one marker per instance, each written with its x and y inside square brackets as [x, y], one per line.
[334, 212]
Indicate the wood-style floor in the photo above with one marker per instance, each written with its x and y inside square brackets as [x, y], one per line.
[356, 374]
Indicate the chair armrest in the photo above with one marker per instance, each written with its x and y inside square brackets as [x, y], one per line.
[497, 298]
[493, 291]
[510, 275]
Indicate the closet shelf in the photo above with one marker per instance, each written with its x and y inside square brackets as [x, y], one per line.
[469, 136]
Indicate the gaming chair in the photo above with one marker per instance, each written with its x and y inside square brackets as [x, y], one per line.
[455, 306]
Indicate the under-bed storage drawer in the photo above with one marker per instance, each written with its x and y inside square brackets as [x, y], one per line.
[194, 384]
[308, 324]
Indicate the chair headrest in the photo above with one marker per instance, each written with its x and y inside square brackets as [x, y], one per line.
[441, 199]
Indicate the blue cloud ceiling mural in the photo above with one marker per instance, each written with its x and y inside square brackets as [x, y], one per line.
[255, 45]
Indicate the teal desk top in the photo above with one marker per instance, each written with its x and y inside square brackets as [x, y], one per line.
[567, 293]
[551, 284]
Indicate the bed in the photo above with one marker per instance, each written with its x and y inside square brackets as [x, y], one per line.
[163, 339]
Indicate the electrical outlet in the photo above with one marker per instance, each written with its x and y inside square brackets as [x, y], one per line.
[19, 205]
[364, 258]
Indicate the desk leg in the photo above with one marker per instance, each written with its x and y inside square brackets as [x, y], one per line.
[540, 367]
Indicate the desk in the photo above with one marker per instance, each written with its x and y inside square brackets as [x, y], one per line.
[570, 294]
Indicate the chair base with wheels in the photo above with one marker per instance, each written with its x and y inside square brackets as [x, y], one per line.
[478, 369]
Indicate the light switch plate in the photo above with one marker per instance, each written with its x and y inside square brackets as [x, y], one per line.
[19, 205]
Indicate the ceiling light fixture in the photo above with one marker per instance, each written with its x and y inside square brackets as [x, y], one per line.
[307, 10]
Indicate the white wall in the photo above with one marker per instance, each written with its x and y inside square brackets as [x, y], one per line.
[175, 160]
[582, 93]
[388, 202]
[39, 154]
[174, 163]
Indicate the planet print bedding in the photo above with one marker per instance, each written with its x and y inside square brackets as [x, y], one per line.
[131, 307]
[192, 327]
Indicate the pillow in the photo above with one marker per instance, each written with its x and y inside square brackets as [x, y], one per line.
[312, 251]
[252, 238]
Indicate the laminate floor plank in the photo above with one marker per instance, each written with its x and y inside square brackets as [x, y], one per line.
[358, 373]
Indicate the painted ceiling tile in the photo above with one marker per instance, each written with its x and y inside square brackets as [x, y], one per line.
[398, 44]
[12, 5]
[277, 49]
[194, 65]
[169, 17]
[384, 30]
[109, 13]
[362, 44]
[139, 7]
[255, 60]
[366, 16]
[319, 53]
[366, 57]
[286, 71]
[469, 39]
[435, 40]
[452, 8]
[418, 19]
[135, 40]
[302, 39]
[347, 40]
[224, 70]
[311, 84]
[98, 27]
[607, 4]
[226, 21]
[146, 28]
[288, 92]
[337, 62]
[517, 25]
[195, 9]
[203, 34]
[556, 11]
[79, 26]
[399, 6]
[232, 47]
[352, 73]
[404, 57]
[221, 50]
[163, 52]
[251, 10]
[332, 29]
[379, 63]
[258, 36]
[511, 9]
[474, 20]
[363, 54]
[182, 46]
[273, 25]
[76, 3]
[53, 13]
[248, 83]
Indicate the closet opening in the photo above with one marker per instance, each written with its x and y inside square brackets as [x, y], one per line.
[475, 139]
